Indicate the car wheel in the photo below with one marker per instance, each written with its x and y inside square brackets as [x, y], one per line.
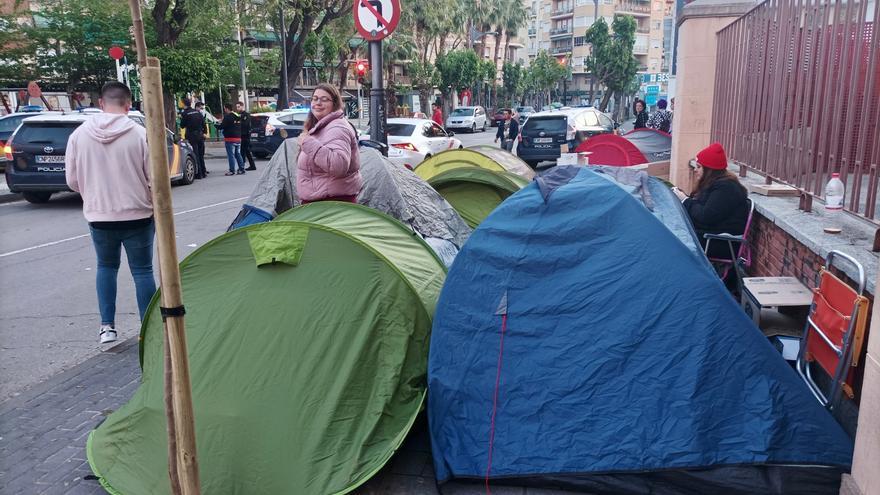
[189, 172]
[531, 164]
[37, 197]
[461, 146]
[473, 127]
[484, 126]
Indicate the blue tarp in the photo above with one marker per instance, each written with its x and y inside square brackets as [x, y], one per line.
[625, 365]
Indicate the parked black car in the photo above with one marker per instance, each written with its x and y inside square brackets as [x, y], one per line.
[35, 155]
[8, 124]
[543, 134]
[269, 130]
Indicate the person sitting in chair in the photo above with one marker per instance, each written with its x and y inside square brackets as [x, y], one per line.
[719, 204]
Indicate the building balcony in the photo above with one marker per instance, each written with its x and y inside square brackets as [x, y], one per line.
[638, 9]
[563, 12]
[640, 49]
[560, 50]
[560, 32]
[643, 30]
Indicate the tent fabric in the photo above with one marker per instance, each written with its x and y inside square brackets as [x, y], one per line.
[306, 378]
[390, 189]
[611, 149]
[655, 145]
[474, 192]
[483, 156]
[580, 337]
[659, 199]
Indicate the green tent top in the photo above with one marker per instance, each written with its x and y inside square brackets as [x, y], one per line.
[476, 192]
[483, 156]
[308, 344]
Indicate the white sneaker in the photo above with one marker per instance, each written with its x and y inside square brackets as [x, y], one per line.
[108, 334]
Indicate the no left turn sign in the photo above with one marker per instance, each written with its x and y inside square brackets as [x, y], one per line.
[376, 19]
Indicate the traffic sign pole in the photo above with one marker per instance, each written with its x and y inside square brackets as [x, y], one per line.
[374, 20]
[378, 116]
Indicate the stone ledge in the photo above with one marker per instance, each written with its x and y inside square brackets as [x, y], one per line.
[716, 8]
[856, 238]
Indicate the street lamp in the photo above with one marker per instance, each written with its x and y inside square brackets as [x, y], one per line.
[242, 67]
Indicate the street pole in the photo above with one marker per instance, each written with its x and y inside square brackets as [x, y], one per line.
[284, 92]
[119, 77]
[360, 105]
[127, 77]
[377, 95]
[241, 64]
[183, 468]
[592, 75]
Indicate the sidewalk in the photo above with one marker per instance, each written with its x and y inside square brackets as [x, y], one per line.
[43, 435]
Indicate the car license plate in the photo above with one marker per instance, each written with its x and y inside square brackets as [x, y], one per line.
[50, 158]
[253, 134]
[543, 140]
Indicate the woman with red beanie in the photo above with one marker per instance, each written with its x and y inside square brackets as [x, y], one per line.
[719, 204]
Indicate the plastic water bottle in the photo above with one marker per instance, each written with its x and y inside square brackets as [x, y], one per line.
[834, 192]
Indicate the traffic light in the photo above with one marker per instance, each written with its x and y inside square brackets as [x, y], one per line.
[361, 66]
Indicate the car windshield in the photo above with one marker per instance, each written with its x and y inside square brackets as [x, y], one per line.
[401, 129]
[546, 124]
[463, 112]
[50, 134]
[295, 119]
[525, 109]
[11, 123]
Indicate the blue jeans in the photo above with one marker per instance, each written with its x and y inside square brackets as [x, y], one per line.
[233, 154]
[138, 244]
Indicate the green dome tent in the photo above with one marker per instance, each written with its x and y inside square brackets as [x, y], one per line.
[482, 156]
[308, 343]
[475, 192]
[475, 180]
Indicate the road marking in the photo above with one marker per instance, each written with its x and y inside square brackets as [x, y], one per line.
[53, 243]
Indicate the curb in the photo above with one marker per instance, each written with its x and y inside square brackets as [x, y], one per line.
[8, 197]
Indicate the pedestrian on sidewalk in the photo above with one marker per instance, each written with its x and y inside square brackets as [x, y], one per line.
[328, 166]
[246, 135]
[508, 130]
[193, 123]
[661, 120]
[641, 115]
[231, 127]
[107, 162]
[438, 114]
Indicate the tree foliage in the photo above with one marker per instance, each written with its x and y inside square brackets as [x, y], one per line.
[612, 61]
[544, 74]
[68, 44]
[458, 70]
[513, 77]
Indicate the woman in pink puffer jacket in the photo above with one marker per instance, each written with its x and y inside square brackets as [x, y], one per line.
[328, 167]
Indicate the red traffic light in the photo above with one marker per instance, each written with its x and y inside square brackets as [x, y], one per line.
[362, 66]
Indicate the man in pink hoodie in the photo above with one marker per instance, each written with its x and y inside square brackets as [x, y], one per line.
[107, 162]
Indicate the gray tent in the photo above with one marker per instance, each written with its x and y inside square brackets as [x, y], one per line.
[388, 188]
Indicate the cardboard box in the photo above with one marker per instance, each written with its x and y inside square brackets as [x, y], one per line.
[774, 190]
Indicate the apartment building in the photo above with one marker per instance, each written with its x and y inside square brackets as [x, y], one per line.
[559, 26]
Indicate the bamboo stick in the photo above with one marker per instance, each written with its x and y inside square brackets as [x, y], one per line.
[182, 460]
[183, 432]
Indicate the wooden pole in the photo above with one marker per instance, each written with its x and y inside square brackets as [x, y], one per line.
[183, 469]
[182, 430]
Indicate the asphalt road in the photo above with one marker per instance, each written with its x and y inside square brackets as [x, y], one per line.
[48, 311]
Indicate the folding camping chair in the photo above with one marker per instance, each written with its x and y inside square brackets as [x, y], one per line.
[741, 258]
[834, 332]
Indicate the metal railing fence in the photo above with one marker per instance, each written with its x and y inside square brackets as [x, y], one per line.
[797, 95]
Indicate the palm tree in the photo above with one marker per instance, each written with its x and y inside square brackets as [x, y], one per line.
[517, 18]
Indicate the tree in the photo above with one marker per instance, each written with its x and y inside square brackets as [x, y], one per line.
[513, 77]
[458, 70]
[67, 44]
[611, 60]
[516, 19]
[544, 74]
[309, 16]
[424, 78]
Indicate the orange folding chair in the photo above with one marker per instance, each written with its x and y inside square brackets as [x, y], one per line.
[834, 332]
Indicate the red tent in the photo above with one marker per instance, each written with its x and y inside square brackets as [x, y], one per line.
[633, 148]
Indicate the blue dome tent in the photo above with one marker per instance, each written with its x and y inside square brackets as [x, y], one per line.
[578, 343]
